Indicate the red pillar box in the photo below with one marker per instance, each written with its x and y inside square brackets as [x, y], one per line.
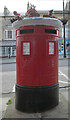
[37, 87]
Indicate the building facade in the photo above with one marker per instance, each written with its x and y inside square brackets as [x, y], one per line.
[7, 35]
[67, 15]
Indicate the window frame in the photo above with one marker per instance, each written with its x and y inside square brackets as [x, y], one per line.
[6, 35]
[22, 48]
[54, 48]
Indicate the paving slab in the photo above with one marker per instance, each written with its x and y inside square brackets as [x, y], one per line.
[11, 112]
[7, 60]
[8, 81]
[4, 105]
[60, 111]
[0, 107]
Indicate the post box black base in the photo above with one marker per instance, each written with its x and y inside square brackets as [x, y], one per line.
[36, 99]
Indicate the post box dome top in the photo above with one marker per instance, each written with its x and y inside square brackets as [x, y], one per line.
[37, 21]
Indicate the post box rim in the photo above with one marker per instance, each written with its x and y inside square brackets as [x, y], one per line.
[38, 21]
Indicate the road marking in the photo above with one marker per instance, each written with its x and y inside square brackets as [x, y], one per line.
[13, 90]
[60, 73]
[63, 82]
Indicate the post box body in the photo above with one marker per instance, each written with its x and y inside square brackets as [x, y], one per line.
[37, 87]
[39, 67]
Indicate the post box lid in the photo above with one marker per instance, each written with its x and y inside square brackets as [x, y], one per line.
[38, 21]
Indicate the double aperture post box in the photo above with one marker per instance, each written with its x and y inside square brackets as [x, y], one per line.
[37, 87]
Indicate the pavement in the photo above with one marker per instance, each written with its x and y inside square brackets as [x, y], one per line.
[7, 60]
[7, 112]
[60, 111]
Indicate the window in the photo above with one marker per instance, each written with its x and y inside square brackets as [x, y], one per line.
[26, 48]
[14, 51]
[3, 51]
[9, 24]
[8, 34]
[14, 35]
[51, 48]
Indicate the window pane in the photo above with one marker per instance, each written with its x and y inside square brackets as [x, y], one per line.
[6, 35]
[51, 48]
[13, 51]
[3, 51]
[9, 34]
[26, 48]
[14, 35]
